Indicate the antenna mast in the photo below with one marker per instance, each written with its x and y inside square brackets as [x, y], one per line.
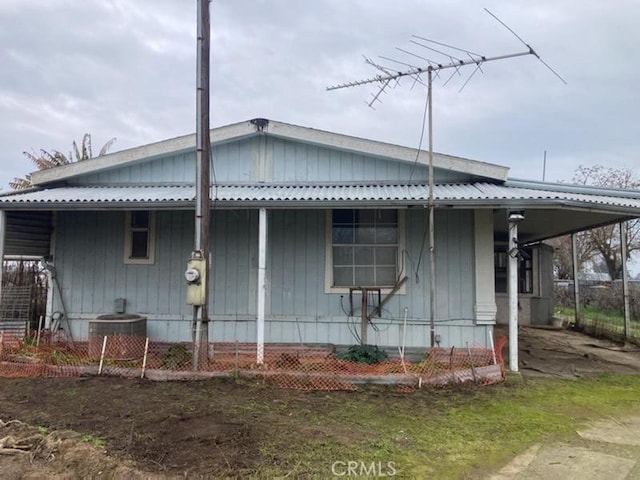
[388, 77]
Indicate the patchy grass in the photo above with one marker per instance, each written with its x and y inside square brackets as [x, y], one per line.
[443, 434]
[247, 429]
[601, 323]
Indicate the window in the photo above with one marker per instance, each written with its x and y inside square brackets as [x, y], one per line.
[364, 248]
[139, 239]
[525, 271]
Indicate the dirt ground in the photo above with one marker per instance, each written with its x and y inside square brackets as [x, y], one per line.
[143, 429]
[569, 354]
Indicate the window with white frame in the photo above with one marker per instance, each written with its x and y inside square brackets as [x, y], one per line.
[364, 248]
[139, 238]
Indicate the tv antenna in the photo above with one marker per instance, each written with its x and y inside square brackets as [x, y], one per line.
[452, 58]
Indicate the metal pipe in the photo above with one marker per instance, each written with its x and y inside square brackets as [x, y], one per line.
[432, 253]
[202, 125]
[262, 277]
[625, 281]
[576, 283]
[512, 254]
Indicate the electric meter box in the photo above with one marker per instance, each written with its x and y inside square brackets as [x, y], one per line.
[195, 275]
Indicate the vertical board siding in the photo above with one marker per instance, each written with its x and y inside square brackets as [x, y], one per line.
[92, 274]
[233, 162]
[286, 162]
[300, 162]
[91, 269]
[234, 252]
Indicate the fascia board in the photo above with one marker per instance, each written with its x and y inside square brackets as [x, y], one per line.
[284, 130]
[124, 157]
[387, 150]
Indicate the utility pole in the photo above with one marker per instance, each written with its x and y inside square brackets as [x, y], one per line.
[197, 273]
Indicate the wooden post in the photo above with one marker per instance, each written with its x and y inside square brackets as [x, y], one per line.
[203, 182]
[144, 358]
[104, 349]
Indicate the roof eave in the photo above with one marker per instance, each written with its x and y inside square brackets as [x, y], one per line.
[538, 203]
[388, 150]
[278, 129]
[125, 157]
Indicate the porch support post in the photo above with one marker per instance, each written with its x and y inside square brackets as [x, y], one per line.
[262, 284]
[513, 256]
[625, 281]
[485, 298]
[3, 232]
[576, 283]
[49, 263]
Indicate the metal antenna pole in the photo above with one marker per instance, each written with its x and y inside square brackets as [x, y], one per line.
[432, 238]
[203, 183]
[387, 76]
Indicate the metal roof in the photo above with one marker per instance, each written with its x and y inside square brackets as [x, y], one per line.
[468, 195]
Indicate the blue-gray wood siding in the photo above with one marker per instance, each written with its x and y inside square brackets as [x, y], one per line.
[92, 274]
[278, 159]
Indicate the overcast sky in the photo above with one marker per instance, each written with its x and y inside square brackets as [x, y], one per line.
[126, 69]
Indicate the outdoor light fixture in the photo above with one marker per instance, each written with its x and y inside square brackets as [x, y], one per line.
[516, 217]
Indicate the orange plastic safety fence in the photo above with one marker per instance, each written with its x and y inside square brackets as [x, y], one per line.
[287, 366]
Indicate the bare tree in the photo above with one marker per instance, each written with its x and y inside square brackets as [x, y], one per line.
[563, 254]
[45, 159]
[604, 242]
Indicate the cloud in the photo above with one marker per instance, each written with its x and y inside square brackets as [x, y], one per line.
[127, 69]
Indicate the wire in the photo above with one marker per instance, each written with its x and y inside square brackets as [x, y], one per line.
[352, 328]
[424, 122]
[422, 244]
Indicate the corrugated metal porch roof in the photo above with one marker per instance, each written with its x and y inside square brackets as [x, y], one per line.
[451, 195]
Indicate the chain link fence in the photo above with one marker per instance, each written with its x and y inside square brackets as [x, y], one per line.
[286, 366]
[601, 308]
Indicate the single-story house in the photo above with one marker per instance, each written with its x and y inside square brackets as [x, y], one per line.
[342, 214]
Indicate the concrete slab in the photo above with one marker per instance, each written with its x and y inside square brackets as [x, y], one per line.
[566, 463]
[620, 432]
[516, 465]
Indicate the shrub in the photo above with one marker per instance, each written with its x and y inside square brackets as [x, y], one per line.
[369, 354]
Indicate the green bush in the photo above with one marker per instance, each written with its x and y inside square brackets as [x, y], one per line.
[369, 354]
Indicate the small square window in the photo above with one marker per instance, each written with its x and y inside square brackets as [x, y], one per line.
[139, 238]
